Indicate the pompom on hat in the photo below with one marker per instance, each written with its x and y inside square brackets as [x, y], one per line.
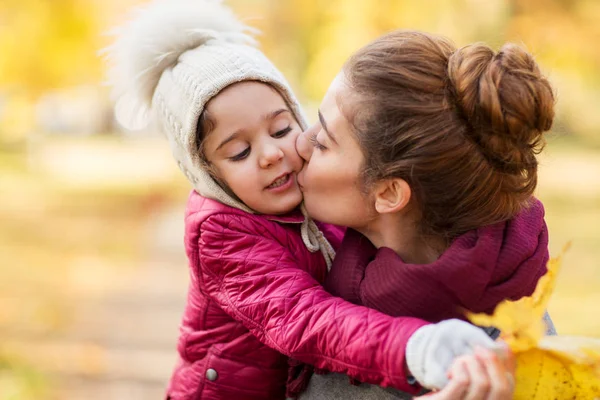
[170, 59]
[165, 65]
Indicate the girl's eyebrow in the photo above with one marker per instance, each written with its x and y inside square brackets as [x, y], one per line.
[273, 114]
[324, 125]
[231, 137]
[266, 117]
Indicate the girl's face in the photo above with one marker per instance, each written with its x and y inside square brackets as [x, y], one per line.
[331, 178]
[252, 146]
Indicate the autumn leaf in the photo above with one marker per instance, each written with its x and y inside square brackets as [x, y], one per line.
[548, 367]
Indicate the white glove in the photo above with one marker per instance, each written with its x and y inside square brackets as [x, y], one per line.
[431, 350]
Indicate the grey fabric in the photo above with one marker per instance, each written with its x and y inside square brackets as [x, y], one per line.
[337, 387]
[550, 329]
[492, 331]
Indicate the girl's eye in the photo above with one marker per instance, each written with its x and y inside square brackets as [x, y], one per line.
[315, 143]
[241, 156]
[282, 133]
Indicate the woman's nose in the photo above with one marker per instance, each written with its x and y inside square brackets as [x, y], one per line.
[303, 145]
[271, 154]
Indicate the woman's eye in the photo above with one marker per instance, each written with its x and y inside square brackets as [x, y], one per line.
[282, 133]
[313, 139]
[241, 156]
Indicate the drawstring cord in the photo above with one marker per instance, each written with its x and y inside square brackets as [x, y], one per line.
[314, 239]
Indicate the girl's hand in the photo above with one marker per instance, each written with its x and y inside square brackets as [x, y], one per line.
[482, 376]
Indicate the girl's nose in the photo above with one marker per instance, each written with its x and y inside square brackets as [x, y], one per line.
[271, 154]
[303, 145]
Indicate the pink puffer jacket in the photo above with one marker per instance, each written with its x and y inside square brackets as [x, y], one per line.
[255, 297]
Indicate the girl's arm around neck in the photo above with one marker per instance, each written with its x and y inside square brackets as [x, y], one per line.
[257, 281]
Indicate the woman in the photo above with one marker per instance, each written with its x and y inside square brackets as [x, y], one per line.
[428, 153]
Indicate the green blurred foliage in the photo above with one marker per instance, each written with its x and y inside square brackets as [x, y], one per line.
[19, 381]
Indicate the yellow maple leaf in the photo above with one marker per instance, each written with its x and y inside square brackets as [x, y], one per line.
[548, 367]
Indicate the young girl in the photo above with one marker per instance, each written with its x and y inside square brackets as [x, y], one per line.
[256, 262]
[428, 154]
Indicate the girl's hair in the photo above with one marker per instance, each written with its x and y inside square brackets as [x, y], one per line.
[204, 127]
[206, 124]
[461, 127]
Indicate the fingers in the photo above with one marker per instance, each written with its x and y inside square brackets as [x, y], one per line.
[509, 359]
[489, 378]
[479, 381]
[455, 389]
[482, 376]
[500, 377]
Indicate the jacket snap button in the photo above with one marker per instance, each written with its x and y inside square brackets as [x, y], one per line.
[211, 374]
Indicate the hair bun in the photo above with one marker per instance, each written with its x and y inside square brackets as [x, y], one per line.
[506, 101]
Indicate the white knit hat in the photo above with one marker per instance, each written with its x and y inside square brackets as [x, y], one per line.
[169, 60]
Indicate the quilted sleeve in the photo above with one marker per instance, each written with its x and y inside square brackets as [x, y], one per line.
[255, 279]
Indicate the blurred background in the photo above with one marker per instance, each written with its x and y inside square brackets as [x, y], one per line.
[92, 273]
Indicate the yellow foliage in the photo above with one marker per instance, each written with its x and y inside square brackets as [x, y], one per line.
[51, 44]
[17, 118]
[551, 367]
[521, 321]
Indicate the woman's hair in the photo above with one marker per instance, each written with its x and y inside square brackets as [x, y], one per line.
[461, 126]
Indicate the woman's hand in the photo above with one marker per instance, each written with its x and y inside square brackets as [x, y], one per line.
[432, 350]
[482, 376]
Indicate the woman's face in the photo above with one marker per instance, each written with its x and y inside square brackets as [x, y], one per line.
[330, 179]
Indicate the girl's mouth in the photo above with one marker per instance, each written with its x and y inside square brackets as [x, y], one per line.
[281, 183]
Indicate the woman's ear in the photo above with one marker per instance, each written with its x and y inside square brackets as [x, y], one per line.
[391, 195]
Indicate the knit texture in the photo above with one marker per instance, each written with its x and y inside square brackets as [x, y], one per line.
[184, 90]
[170, 60]
[432, 349]
[479, 270]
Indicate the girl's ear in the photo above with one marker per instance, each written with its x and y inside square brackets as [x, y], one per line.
[391, 195]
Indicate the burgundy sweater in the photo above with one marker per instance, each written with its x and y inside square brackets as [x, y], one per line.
[479, 269]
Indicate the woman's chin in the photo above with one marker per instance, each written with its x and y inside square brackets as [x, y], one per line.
[316, 212]
[309, 205]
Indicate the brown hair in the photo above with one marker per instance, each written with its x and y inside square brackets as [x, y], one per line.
[204, 127]
[462, 127]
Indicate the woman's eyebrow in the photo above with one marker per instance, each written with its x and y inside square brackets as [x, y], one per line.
[327, 131]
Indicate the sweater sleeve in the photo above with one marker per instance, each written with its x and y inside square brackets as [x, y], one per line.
[256, 280]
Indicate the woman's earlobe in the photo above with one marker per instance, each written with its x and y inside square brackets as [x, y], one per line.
[391, 195]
